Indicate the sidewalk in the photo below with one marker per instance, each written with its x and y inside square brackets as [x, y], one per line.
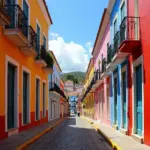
[14, 141]
[123, 141]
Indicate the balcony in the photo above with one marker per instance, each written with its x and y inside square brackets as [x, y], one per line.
[4, 18]
[44, 59]
[97, 79]
[53, 87]
[105, 73]
[130, 35]
[30, 49]
[114, 56]
[17, 31]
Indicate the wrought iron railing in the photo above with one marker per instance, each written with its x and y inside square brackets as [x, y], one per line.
[32, 37]
[54, 87]
[109, 53]
[18, 18]
[104, 63]
[97, 75]
[1, 3]
[116, 43]
[130, 28]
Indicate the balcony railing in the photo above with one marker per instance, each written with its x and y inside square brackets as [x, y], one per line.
[1, 3]
[44, 55]
[104, 63]
[129, 29]
[97, 75]
[32, 36]
[116, 43]
[54, 87]
[109, 54]
[18, 19]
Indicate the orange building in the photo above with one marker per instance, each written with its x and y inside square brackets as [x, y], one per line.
[25, 65]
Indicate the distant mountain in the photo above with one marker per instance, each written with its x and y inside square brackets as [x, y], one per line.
[79, 75]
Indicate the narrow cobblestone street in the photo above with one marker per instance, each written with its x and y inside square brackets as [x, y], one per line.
[73, 134]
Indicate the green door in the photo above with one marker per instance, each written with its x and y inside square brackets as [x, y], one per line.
[37, 98]
[10, 96]
[25, 98]
[124, 99]
[115, 101]
[139, 114]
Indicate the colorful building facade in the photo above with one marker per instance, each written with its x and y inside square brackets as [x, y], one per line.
[54, 90]
[123, 41]
[24, 68]
[88, 101]
[102, 103]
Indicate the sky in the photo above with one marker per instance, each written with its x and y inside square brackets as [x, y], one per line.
[74, 30]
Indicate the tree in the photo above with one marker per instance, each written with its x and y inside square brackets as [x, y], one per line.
[70, 77]
[75, 81]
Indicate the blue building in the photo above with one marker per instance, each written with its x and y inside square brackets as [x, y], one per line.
[118, 66]
[73, 102]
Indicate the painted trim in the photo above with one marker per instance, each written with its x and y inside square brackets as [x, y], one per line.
[9, 59]
[38, 77]
[24, 69]
[137, 62]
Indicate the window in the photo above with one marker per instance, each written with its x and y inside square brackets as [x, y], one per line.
[115, 27]
[44, 100]
[108, 102]
[44, 41]
[122, 11]
[37, 99]
[38, 38]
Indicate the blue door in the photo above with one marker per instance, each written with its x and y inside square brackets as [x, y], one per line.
[139, 114]
[124, 99]
[115, 101]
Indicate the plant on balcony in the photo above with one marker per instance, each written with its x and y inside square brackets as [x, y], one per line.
[46, 57]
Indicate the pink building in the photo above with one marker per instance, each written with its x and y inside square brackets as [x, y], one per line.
[102, 102]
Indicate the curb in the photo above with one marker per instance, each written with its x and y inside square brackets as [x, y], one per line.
[113, 144]
[36, 137]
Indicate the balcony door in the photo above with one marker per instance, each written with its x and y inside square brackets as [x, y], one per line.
[38, 38]
[26, 12]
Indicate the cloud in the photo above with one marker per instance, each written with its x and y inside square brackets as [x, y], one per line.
[71, 56]
[54, 35]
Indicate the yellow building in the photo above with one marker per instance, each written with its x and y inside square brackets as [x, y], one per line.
[88, 100]
[25, 64]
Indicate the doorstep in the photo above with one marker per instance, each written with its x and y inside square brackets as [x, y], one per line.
[138, 138]
[115, 126]
[124, 131]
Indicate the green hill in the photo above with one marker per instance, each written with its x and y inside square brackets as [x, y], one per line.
[79, 75]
